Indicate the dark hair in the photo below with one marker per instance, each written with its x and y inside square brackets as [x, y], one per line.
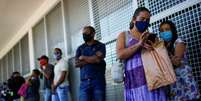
[174, 36]
[37, 72]
[16, 72]
[92, 29]
[58, 49]
[43, 57]
[136, 13]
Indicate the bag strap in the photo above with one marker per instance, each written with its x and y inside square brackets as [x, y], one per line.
[126, 38]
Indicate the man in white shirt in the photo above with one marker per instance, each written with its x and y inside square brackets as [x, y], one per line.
[60, 84]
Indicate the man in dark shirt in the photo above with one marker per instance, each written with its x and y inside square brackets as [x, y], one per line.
[48, 72]
[90, 59]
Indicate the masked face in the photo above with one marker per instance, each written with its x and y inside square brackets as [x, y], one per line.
[166, 33]
[142, 25]
[57, 55]
[166, 36]
[43, 62]
[87, 37]
[141, 22]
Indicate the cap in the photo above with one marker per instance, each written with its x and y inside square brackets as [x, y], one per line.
[43, 57]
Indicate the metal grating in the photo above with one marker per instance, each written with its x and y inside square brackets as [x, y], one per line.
[157, 6]
[111, 16]
[113, 91]
[141, 3]
[188, 22]
[110, 52]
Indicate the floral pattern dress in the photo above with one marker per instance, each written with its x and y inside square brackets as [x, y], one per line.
[185, 88]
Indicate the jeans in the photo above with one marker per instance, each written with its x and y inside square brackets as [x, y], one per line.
[90, 91]
[61, 94]
[48, 94]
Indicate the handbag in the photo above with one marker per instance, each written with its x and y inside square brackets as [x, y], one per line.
[23, 90]
[117, 70]
[158, 67]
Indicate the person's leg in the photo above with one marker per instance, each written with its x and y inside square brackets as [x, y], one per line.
[55, 96]
[84, 95]
[31, 99]
[99, 95]
[21, 98]
[63, 93]
[85, 91]
[47, 95]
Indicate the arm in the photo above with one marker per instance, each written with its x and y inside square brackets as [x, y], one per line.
[124, 53]
[100, 55]
[179, 54]
[90, 59]
[47, 73]
[64, 72]
[62, 78]
[78, 63]
[28, 81]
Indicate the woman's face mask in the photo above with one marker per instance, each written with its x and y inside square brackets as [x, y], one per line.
[142, 25]
[166, 35]
[141, 21]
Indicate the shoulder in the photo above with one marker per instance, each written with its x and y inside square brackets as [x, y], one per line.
[82, 46]
[179, 41]
[98, 43]
[50, 65]
[122, 34]
[63, 61]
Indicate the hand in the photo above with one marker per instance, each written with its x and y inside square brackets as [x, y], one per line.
[148, 47]
[99, 54]
[81, 58]
[176, 61]
[41, 68]
[143, 37]
[53, 87]
[28, 82]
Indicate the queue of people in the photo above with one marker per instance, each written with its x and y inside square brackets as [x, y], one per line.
[90, 60]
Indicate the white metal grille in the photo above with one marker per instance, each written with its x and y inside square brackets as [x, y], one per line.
[111, 16]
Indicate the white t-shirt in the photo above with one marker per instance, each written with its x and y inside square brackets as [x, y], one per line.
[62, 65]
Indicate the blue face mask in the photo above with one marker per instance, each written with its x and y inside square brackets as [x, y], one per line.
[166, 36]
[142, 25]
